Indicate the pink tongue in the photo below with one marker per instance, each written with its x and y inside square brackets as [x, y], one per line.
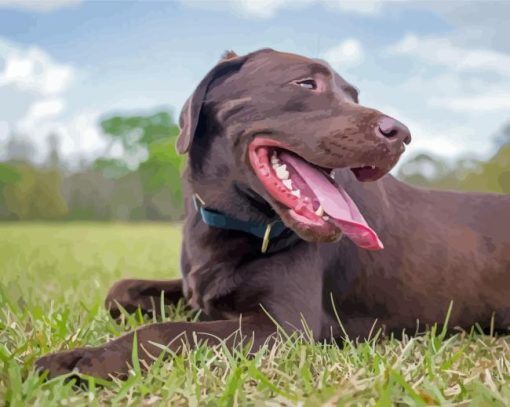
[337, 204]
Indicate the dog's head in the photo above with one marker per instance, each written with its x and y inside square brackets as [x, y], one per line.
[274, 125]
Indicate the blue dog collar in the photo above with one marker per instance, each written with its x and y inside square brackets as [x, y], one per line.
[219, 220]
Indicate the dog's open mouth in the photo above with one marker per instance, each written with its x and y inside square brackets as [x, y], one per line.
[310, 201]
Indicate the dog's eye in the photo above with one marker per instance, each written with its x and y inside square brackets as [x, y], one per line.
[308, 84]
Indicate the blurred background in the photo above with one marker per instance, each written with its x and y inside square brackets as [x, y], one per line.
[90, 91]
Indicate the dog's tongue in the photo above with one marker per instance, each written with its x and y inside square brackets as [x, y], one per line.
[337, 204]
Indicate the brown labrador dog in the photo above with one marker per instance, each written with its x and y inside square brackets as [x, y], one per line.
[265, 215]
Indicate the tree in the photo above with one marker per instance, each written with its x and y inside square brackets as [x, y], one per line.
[19, 149]
[35, 195]
[9, 175]
[492, 176]
[422, 170]
[504, 136]
[464, 174]
[148, 143]
[53, 155]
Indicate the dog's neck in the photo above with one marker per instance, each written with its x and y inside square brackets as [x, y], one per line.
[233, 210]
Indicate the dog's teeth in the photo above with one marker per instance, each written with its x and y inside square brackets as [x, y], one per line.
[281, 172]
[319, 211]
[373, 167]
[287, 183]
[332, 174]
[296, 192]
[325, 217]
[275, 160]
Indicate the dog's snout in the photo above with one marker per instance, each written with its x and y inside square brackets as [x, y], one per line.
[393, 129]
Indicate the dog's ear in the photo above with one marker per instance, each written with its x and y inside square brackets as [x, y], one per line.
[229, 55]
[190, 114]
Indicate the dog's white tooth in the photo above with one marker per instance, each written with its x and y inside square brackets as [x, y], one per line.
[332, 174]
[281, 172]
[287, 183]
[296, 192]
[319, 211]
[325, 217]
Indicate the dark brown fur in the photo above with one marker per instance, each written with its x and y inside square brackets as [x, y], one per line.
[439, 246]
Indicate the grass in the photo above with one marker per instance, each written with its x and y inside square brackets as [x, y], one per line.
[53, 279]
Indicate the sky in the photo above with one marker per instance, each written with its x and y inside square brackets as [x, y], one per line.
[442, 68]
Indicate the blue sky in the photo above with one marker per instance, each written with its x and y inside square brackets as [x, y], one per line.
[442, 67]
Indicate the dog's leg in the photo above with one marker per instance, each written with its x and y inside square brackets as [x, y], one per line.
[115, 358]
[144, 294]
[502, 321]
[366, 328]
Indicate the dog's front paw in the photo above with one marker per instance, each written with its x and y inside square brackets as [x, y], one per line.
[101, 363]
[129, 295]
[61, 363]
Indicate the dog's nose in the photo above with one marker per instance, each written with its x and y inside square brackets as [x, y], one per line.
[393, 129]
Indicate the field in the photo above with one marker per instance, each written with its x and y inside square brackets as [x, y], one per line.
[53, 279]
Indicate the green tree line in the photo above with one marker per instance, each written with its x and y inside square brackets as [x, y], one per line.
[464, 174]
[144, 184]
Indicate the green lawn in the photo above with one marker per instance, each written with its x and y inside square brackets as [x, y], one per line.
[53, 279]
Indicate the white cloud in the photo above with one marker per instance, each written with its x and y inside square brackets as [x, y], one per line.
[442, 139]
[39, 112]
[474, 104]
[346, 54]
[40, 84]
[480, 24]
[441, 51]
[82, 139]
[79, 136]
[472, 80]
[46, 108]
[435, 108]
[367, 7]
[38, 5]
[39, 81]
[264, 8]
[269, 8]
[33, 70]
